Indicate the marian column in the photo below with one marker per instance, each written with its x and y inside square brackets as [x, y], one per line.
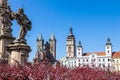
[5, 30]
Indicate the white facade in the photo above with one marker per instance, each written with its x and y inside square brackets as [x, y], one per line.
[94, 59]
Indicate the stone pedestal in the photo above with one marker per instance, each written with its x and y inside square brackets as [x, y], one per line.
[19, 53]
[4, 41]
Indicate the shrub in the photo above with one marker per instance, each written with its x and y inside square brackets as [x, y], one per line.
[47, 72]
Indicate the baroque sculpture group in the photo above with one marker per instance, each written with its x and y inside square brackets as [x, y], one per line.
[13, 50]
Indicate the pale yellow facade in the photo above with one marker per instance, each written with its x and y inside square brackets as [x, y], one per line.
[116, 64]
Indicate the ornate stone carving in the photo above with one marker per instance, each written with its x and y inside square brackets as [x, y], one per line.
[6, 15]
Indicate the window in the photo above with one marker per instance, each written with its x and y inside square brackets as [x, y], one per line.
[117, 61]
[103, 65]
[65, 65]
[99, 59]
[69, 49]
[83, 60]
[108, 51]
[87, 60]
[103, 59]
[99, 65]
[108, 65]
[93, 60]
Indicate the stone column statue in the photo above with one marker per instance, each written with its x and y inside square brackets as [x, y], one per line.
[6, 13]
[24, 23]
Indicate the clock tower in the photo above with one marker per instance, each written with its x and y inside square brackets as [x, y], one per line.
[70, 45]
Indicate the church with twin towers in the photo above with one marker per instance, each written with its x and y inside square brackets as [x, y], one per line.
[75, 56]
[41, 53]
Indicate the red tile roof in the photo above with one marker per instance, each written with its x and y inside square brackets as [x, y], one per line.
[98, 53]
[114, 54]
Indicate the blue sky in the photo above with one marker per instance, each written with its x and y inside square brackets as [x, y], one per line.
[93, 21]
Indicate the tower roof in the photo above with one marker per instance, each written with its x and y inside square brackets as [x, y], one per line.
[108, 41]
[79, 44]
[40, 37]
[71, 32]
[71, 36]
[52, 36]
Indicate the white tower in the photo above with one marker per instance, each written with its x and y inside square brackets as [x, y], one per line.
[108, 48]
[70, 45]
[79, 50]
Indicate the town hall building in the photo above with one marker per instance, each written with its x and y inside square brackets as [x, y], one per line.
[75, 57]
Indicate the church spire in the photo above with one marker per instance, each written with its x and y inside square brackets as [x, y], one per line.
[71, 32]
[40, 37]
[52, 36]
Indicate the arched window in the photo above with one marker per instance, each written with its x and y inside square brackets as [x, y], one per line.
[69, 49]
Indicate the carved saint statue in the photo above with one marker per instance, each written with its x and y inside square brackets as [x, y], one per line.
[24, 23]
